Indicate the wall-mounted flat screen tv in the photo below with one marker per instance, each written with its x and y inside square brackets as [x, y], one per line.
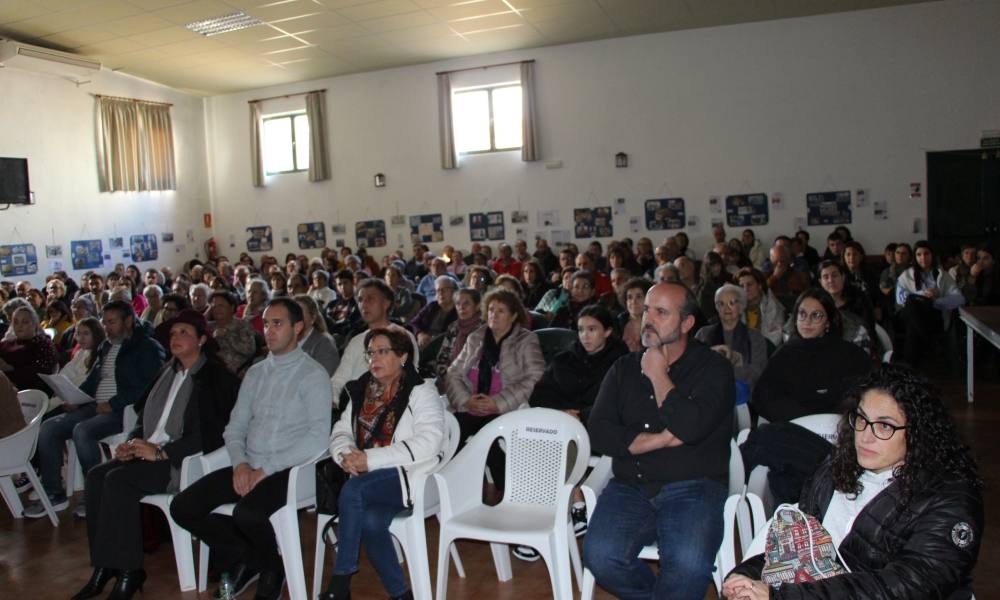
[14, 187]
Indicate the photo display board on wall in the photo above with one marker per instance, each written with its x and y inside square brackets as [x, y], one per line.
[829, 208]
[592, 222]
[370, 234]
[747, 210]
[143, 247]
[665, 213]
[311, 235]
[87, 254]
[261, 238]
[18, 259]
[425, 229]
[486, 226]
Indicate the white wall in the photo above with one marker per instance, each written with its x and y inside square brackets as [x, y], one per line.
[50, 121]
[823, 103]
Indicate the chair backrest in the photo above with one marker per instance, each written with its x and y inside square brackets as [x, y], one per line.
[538, 321]
[554, 340]
[823, 425]
[452, 435]
[32, 402]
[17, 448]
[538, 454]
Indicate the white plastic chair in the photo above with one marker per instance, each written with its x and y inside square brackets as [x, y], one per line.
[407, 529]
[75, 477]
[181, 538]
[285, 521]
[16, 451]
[534, 510]
[725, 559]
[824, 425]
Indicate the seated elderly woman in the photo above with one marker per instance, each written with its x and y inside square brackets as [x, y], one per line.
[29, 352]
[154, 304]
[469, 318]
[559, 296]
[745, 348]
[433, 319]
[391, 430]
[235, 337]
[900, 498]
[185, 412]
[496, 370]
[253, 311]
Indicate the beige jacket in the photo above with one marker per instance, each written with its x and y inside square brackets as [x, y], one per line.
[521, 366]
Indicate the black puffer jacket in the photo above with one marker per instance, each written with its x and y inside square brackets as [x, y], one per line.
[572, 380]
[926, 550]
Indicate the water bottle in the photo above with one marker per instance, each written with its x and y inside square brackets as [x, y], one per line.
[226, 588]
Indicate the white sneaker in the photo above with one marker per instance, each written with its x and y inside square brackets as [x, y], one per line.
[36, 510]
[81, 509]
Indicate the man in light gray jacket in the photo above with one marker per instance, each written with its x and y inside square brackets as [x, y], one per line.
[281, 419]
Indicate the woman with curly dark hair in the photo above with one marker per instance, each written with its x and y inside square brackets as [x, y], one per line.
[900, 497]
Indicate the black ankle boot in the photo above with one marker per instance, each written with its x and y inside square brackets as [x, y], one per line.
[407, 596]
[129, 582]
[98, 579]
[340, 588]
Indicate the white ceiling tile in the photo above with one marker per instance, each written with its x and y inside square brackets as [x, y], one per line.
[397, 22]
[469, 11]
[375, 10]
[182, 14]
[135, 25]
[167, 35]
[506, 20]
[19, 10]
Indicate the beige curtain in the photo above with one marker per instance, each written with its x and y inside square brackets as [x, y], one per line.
[319, 157]
[135, 146]
[529, 119]
[256, 160]
[446, 132]
[158, 171]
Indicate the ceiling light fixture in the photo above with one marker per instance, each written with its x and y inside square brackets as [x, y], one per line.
[224, 24]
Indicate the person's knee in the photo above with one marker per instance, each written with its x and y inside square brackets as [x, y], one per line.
[350, 499]
[82, 435]
[248, 517]
[601, 557]
[182, 510]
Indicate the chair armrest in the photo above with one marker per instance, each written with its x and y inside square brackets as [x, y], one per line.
[459, 482]
[599, 476]
[302, 481]
[191, 469]
[213, 461]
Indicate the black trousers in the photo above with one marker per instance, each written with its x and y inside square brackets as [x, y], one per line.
[918, 324]
[114, 524]
[246, 537]
[496, 460]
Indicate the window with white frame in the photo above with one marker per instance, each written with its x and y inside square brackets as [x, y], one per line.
[487, 119]
[286, 143]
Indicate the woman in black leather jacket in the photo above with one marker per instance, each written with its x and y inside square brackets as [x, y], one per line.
[900, 497]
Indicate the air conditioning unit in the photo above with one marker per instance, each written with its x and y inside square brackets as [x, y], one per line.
[18, 55]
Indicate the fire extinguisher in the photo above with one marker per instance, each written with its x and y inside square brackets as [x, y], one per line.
[211, 248]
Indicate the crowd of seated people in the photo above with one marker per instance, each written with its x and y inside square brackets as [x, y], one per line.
[794, 327]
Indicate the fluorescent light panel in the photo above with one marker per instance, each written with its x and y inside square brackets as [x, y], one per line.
[224, 24]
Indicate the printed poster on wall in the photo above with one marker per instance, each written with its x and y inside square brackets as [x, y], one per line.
[18, 259]
[87, 254]
[370, 234]
[592, 222]
[665, 213]
[261, 238]
[143, 247]
[426, 228]
[747, 210]
[312, 235]
[486, 226]
[829, 208]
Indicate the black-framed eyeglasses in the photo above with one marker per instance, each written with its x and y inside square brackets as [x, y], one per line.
[880, 429]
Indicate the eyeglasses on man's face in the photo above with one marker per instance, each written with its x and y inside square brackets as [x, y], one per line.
[881, 429]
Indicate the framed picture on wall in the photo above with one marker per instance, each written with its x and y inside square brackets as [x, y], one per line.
[829, 208]
[261, 238]
[87, 254]
[370, 234]
[592, 222]
[18, 259]
[747, 210]
[311, 235]
[665, 213]
[486, 226]
[426, 228]
[143, 248]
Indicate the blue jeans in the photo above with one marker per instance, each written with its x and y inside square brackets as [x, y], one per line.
[368, 503]
[86, 428]
[687, 526]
